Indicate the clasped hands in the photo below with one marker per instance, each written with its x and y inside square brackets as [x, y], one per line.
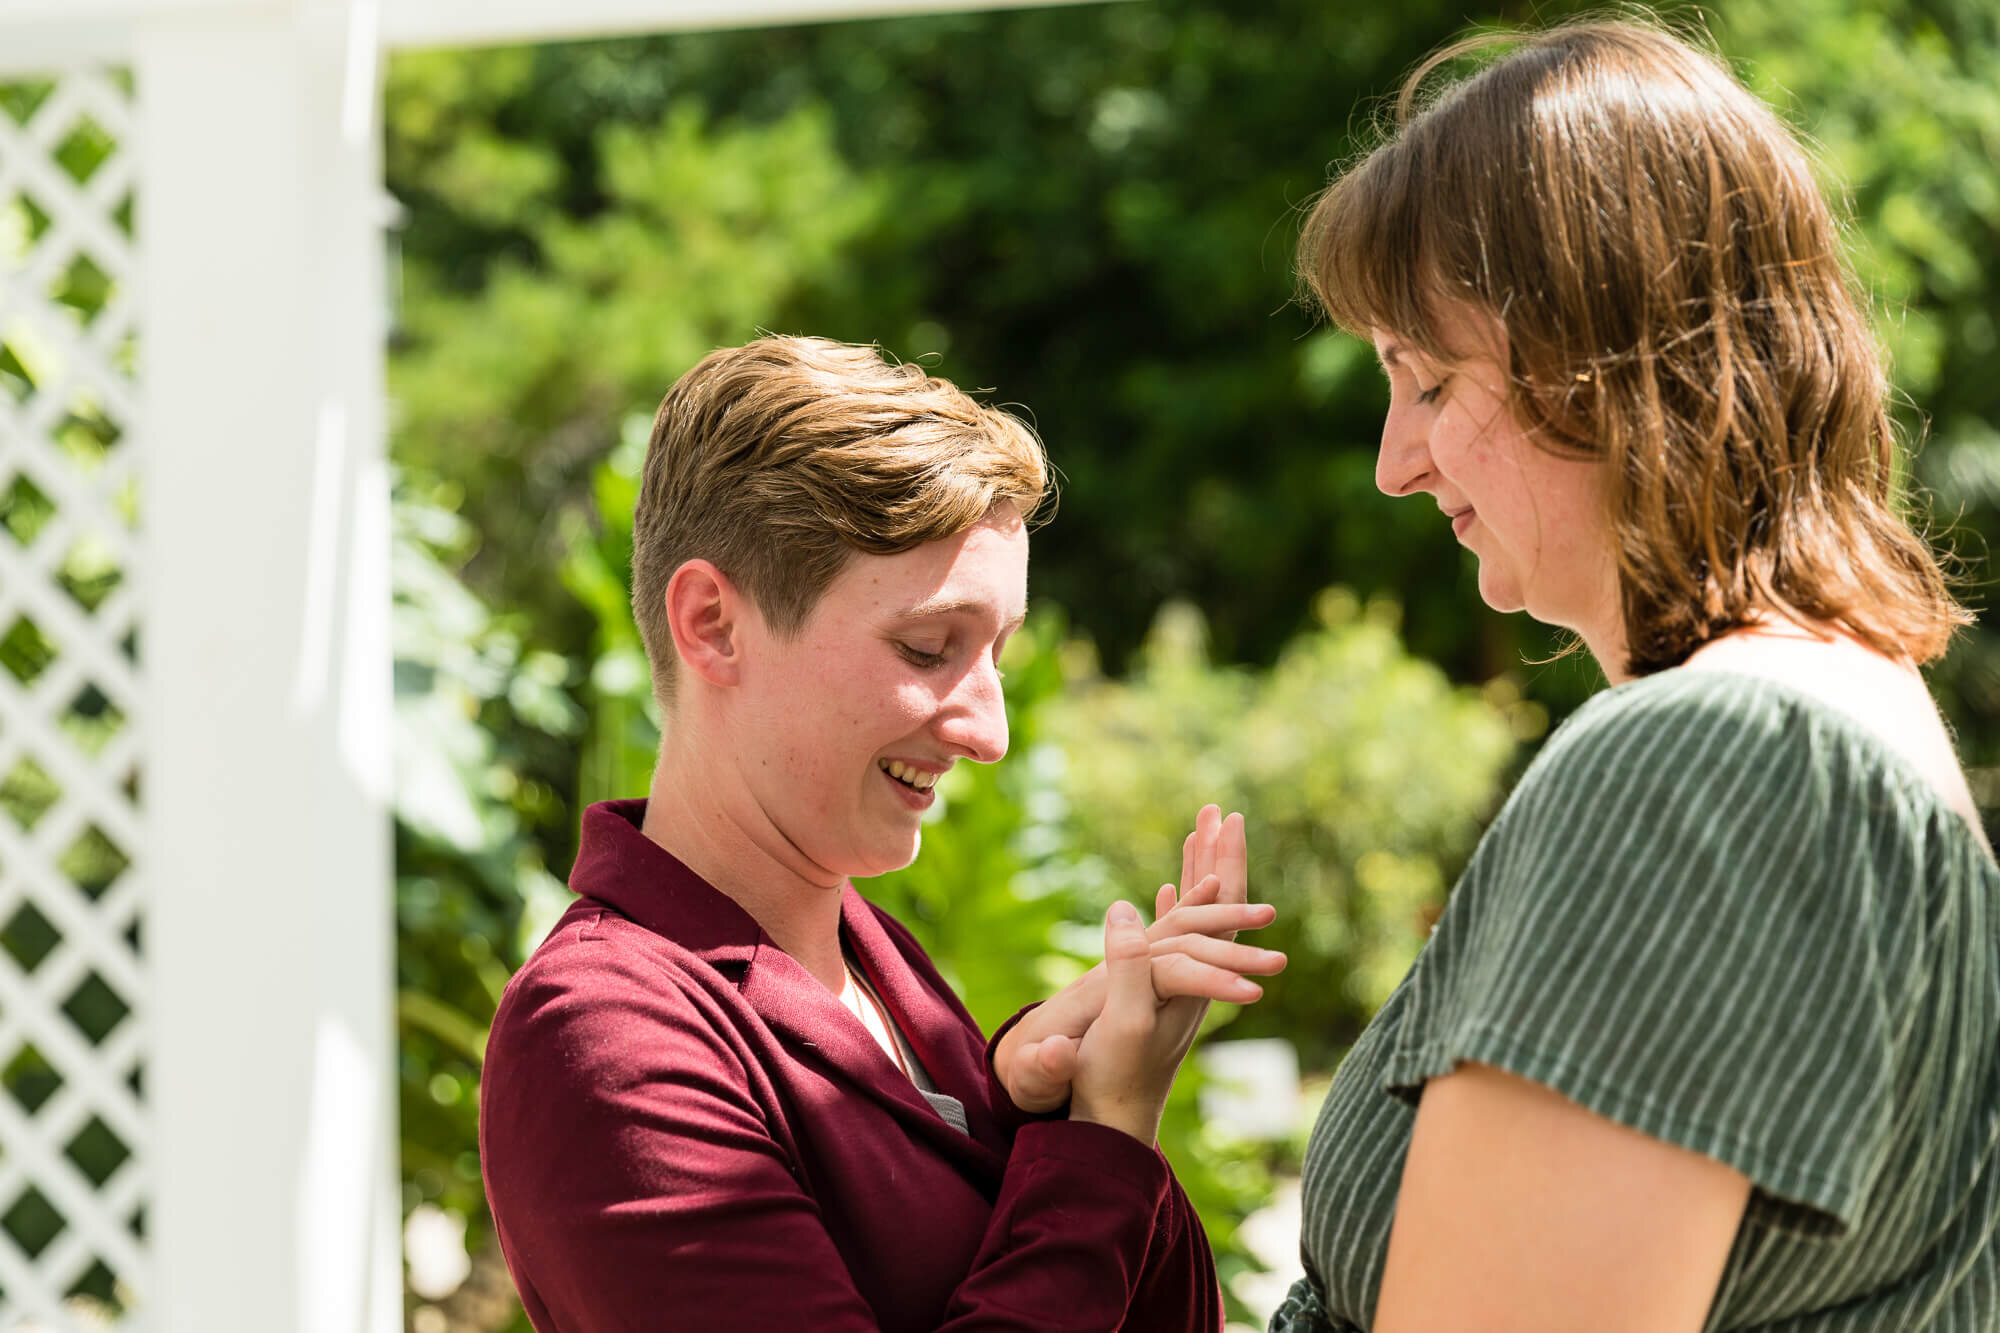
[1111, 1042]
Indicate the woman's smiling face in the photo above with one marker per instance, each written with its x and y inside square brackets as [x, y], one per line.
[842, 728]
[1535, 519]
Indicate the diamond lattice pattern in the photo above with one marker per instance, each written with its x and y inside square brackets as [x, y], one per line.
[73, 1120]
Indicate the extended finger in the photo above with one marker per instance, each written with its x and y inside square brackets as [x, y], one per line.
[1232, 861]
[1176, 976]
[1213, 919]
[1173, 921]
[1205, 890]
[1222, 953]
[1207, 829]
[1187, 862]
[1163, 901]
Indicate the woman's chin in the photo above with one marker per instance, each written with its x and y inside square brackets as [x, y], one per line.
[887, 857]
[1499, 590]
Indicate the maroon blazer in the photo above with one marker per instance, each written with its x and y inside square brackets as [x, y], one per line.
[681, 1129]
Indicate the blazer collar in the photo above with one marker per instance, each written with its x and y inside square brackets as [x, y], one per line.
[620, 866]
[623, 868]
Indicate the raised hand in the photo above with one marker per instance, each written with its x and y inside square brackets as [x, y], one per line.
[1192, 956]
[1126, 1062]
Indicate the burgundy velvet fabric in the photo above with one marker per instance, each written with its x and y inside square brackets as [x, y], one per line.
[681, 1129]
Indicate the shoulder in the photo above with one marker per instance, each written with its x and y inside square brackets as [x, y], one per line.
[1859, 691]
[1680, 740]
[592, 951]
[603, 995]
[1677, 714]
[615, 1073]
[1674, 789]
[1753, 740]
[606, 1033]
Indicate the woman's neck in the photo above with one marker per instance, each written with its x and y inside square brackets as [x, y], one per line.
[713, 826]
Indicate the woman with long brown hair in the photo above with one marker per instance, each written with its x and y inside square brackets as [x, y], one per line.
[1708, 1036]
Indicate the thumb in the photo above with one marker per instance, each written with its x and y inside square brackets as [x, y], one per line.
[1042, 1073]
[1128, 965]
[1054, 1061]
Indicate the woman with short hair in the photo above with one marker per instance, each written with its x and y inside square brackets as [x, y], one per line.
[1708, 1036]
[726, 1092]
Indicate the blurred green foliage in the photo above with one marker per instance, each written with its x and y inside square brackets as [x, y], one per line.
[1092, 208]
[471, 883]
[1364, 776]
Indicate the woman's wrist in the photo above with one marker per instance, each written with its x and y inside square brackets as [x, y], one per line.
[1138, 1122]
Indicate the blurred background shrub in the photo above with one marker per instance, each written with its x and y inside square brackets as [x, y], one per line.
[1364, 775]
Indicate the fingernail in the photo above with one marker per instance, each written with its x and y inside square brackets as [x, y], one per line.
[1124, 914]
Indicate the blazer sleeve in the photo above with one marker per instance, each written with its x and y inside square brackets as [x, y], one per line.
[637, 1184]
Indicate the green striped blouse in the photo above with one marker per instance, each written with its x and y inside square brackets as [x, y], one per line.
[1721, 912]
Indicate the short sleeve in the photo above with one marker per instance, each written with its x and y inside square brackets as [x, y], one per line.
[1674, 924]
[1302, 1312]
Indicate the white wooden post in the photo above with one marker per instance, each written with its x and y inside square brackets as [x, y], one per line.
[266, 643]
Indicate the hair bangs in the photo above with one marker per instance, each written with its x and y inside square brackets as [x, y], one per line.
[1378, 253]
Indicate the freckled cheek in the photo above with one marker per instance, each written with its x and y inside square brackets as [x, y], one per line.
[1457, 450]
[914, 703]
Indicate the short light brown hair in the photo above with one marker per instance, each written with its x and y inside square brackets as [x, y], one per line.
[779, 459]
[1675, 301]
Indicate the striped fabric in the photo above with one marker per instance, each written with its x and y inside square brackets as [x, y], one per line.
[1719, 911]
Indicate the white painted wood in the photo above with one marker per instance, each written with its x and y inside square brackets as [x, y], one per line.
[41, 35]
[46, 34]
[471, 22]
[31, 12]
[58, 42]
[75, 366]
[266, 635]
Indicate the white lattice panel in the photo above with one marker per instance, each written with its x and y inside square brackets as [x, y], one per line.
[73, 1122]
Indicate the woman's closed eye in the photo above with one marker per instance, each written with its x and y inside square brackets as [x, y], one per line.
[919, 657]
[1430, 395]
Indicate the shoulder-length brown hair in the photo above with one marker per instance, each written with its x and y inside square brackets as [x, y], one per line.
[1676, 303]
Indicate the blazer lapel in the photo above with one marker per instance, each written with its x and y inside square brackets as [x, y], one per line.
[945, 1037]
[821, 1031]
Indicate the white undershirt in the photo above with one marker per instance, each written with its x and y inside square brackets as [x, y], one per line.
[862, 1001]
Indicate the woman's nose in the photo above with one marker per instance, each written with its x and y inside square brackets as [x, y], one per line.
[975, 722]
[1403, 462]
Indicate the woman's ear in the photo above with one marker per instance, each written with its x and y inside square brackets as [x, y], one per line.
[705, 613]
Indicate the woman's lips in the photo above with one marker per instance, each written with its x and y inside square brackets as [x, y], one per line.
[910, 796]
[1461, 521]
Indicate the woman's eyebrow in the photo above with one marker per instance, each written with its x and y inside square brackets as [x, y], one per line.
[1390, 355]
[949, 606]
